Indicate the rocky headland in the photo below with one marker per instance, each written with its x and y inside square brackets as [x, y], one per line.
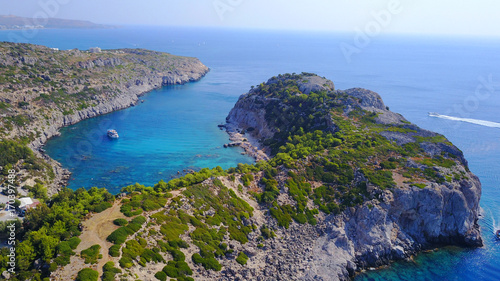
[428, 203]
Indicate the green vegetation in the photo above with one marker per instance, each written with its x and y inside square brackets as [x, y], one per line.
[109, 271]
[50, 232]
[190, 179]
[242, 258]
[114, 250]
[120, 235]
[141, 199]
[120, 222]
[91, 255]
[87, 274]
[14, 151]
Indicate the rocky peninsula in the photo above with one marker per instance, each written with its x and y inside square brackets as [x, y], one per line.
[423, 197]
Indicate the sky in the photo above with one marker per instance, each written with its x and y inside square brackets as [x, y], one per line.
[452, 17]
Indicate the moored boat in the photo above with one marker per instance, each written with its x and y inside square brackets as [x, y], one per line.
[113, 134]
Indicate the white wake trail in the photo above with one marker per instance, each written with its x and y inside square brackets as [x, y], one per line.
[468, 120]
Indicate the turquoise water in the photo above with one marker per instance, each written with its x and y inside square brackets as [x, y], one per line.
[176, 128]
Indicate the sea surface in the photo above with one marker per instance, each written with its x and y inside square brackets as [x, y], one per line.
[176, 127]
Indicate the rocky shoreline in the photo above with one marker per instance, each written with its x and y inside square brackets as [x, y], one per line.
[248, 142]
[130, 98]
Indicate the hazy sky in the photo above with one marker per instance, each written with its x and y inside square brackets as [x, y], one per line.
[480, 17]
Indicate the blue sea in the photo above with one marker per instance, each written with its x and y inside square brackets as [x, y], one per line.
[176, 127]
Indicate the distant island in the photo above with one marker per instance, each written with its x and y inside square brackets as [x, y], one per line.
[12, 22]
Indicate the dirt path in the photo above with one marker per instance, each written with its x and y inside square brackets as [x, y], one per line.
[95, 231]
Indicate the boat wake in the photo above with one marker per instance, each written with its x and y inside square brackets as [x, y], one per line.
[468, 120]
[495, 226]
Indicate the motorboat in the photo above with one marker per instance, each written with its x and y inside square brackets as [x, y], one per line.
[113, 134]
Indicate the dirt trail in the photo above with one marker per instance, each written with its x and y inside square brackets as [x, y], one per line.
[95, 231]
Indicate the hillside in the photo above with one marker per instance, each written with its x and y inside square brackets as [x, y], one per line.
[15, 22]
[348, 185]
[42, 90]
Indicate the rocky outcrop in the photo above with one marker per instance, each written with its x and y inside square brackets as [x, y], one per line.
[402, 220]
[407, 221]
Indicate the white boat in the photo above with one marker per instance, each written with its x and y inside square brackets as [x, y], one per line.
[113, 134]
[434, 114]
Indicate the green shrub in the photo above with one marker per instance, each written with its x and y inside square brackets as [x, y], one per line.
[91, 255]
[126, 262]
[109, 271]
[173, 230]
[149, 255]
[284, 219]
[266, 232]
[120, 235]
[87, 274]
[120, 222]
[247, 179]
[74, 242]
[177, 255]
[102, 206]
[114, 250]
[171, 271]
[208, 263]
[160, 275]
[183, 268]
[242, 258]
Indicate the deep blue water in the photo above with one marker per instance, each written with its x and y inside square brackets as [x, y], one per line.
[176, 128]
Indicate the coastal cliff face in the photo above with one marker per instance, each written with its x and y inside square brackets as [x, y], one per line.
[44, 89]
[428, 199]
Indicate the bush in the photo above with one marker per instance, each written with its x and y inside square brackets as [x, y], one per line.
[183, 268]
[120, 222]
[91, 255]
[109, 271]
[126, 262]
[114, 251]
[160, 275]
[247, 179]
[74, 242]
[208, 263]
[87, 274]
[120, 235]
[149, 255]
[102, 206]
[242, 258]
[171, 271]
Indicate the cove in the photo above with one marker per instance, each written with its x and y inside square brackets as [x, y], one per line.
[172, 131]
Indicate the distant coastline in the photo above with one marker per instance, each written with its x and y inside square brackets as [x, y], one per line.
[11, 22]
